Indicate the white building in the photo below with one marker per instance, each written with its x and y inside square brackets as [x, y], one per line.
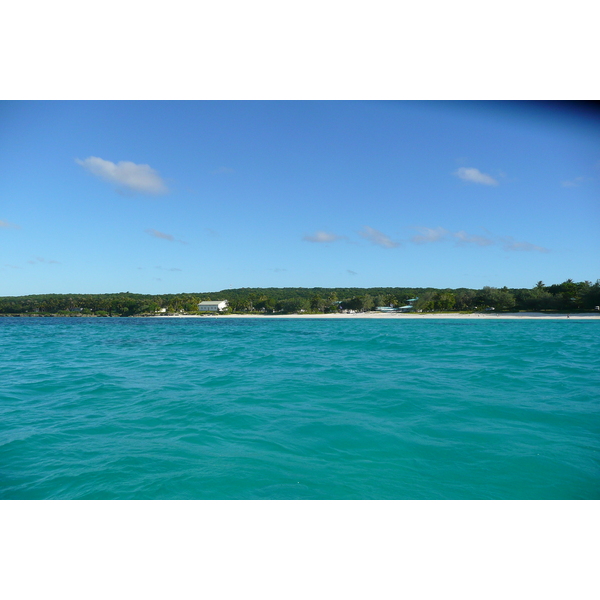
[213, 305]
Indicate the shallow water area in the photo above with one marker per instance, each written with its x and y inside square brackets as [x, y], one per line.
[133, 408]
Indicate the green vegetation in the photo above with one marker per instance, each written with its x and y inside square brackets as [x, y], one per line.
[564, 297]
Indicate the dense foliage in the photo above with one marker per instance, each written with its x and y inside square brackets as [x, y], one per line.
[566, 296]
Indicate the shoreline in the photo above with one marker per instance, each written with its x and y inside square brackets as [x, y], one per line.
[394, 316]
[591, 316]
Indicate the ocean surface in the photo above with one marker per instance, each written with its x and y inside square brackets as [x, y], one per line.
[135, 408]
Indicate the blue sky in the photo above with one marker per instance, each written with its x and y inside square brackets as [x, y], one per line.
[167, 197]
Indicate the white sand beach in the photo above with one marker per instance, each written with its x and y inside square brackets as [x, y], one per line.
[395, 316]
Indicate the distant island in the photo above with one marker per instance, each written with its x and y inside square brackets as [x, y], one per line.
[568, 296]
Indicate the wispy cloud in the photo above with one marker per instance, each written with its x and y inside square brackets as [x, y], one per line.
[163, 236]
[322, 237]
[377, 237]
[160, 235]
[39, 259]
[479, 240]
[428, 235]
[171, 269]
[463, 238]
[351, 272]
[136, 178]
[7, 225]
[475, 176]
[575, 182]
[510, 244]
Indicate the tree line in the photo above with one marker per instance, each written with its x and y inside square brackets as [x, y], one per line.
[566, 296]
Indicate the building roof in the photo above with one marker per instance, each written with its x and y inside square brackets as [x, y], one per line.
[211, 302]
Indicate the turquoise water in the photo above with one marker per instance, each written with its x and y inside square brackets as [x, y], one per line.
[299, 409]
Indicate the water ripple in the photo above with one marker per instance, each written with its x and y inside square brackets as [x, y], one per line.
[254, 409]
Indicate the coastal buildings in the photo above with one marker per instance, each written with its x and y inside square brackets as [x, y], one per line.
[409, 306]
[213, 305]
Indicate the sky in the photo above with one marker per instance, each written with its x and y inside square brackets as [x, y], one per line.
[198, 196]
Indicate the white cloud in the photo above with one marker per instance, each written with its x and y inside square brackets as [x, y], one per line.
[322, 237]
[378, 238]
[510, 244]
[136, 178]
[464, 238]
[475, 176]
[429, 235]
